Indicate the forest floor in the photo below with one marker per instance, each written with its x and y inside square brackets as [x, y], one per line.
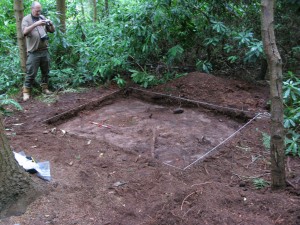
[144, 158]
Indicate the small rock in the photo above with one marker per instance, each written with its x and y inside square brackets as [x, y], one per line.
[242, 184]
[119, 183]
[178, 111]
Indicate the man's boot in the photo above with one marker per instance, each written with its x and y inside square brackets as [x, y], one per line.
[26, 94]
[46, 90]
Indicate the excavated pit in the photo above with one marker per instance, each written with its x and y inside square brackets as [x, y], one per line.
[176, 132]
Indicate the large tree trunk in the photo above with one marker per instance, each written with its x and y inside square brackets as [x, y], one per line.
[16, 188]
[275, 72]
[19, 14]
[61, 10]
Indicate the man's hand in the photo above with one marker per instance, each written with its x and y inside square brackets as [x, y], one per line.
[27, 30]
[40, 23]
[49, 22]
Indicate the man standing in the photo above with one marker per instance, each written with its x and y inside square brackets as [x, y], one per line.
[35, 28]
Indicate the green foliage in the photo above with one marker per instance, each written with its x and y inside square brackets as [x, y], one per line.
[120, 81]
[260, 183]
[291, 99]
[201, 35]
[291, 89]
[10, 73]
[48, 99]
[6, 102]
[293, 144]
[143, 78]
[266, 140]
[150, 32]
[204, 66]
[174, 53]
[255, 52]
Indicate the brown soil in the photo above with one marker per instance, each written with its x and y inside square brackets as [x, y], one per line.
[118, 175]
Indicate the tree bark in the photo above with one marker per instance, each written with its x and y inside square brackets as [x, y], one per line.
[82, 10]
[19, 14]
[61, 10]
[95, 16]
[106, 7]
[16, 188]
[275, 74]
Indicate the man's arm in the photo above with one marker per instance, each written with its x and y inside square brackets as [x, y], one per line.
[28, 29]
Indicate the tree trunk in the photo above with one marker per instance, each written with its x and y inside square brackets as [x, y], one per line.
[275, 73]
[61, 10]
[16, 187]
[82, 10]
[95, 19]
[19, 14]
[106, 7]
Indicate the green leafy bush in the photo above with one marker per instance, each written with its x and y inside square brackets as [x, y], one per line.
[291, 97]
[260, 183]
[143, 78]
[6, 102]
[120, 81]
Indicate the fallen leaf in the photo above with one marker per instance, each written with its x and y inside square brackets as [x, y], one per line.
[119, 183]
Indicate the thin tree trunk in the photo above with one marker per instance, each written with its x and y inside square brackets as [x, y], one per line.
[95, 16]
[275, 72]
[106, 7]
[61, 10]
[19, 14]
[82, 10]
[16, 189]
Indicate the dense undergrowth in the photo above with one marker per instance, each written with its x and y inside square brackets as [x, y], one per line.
[151, 42]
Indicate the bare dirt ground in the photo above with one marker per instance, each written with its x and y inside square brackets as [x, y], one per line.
[119, 173]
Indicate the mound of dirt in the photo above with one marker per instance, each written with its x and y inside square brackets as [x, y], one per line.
[98, 181]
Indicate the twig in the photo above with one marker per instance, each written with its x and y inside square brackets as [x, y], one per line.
[291, 184]
[153, 143]
[176, 215]
[201, 183]
[253, 160]
[137, 63]
[206, 170]
[187, 212]
[277, 220]
[288, 164]
[195, 192]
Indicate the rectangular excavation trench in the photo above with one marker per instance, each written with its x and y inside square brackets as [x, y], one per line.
[150, 125]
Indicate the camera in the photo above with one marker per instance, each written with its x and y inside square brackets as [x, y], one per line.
[44, 37]
[47, 22]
